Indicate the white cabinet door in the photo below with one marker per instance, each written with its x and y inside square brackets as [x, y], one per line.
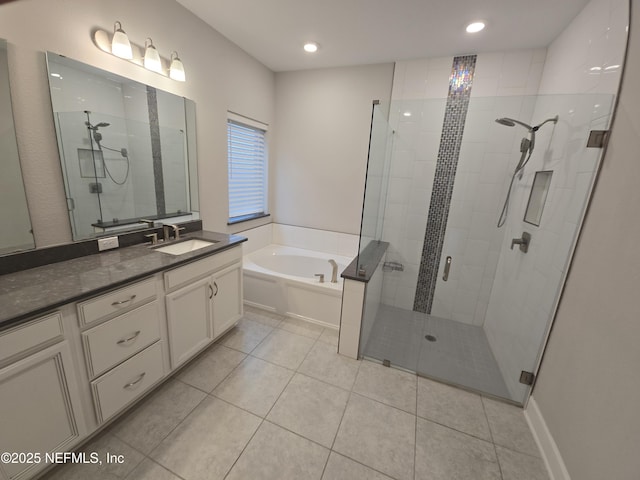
[227, 298]
[189, 320]
[40, 408]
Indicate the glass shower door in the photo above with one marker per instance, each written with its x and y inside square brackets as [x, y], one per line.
[492, 289]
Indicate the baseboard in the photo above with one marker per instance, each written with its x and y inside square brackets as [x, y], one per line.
[292, 315]
[260, 306]
[547, 445]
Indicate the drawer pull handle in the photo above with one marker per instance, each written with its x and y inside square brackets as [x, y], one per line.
[126, 341]
[136, 381]
[122, 302]
[216, 285]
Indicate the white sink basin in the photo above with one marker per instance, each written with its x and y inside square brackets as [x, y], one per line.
[185, 247]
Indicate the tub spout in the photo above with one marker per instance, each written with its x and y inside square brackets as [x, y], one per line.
[334, 272]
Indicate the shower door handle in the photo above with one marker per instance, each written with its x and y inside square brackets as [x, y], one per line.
[447, 267]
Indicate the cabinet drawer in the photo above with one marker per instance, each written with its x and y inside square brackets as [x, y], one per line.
[192, 271]
[118, 339]
[122, 385]
[29, 335]
[116, 302]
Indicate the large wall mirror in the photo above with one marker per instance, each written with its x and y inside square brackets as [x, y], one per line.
[15, 234]
[127, 149]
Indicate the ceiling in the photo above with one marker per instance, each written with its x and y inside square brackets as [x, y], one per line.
[357, 32]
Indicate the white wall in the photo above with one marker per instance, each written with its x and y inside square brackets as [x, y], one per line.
[586, 388]
[220, 77]
[323, 119]
[526, 286]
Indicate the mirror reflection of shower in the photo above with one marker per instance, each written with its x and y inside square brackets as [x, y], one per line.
[526, 149]
[97, 137]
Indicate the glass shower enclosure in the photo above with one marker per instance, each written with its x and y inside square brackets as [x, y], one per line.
[464, 301]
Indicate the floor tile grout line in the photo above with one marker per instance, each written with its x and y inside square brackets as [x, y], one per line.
[363, 464]
[243, 449]
[264, 418]
[495, 449]
[177, 425]
[346, 405]
[170, 431]
[128, 477]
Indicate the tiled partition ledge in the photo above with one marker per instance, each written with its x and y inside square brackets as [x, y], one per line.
[336, 243]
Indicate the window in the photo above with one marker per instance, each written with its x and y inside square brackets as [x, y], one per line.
[247, 157]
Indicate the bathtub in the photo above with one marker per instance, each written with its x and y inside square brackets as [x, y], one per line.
[282, 280]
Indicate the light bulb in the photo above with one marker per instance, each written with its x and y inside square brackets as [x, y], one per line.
[120, 45]
[176, 70]
[475, 27]
[151, 57]
[310, 47]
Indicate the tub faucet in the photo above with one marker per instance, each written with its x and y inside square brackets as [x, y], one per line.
[334, 272]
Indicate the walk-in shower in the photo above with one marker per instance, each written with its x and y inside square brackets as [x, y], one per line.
[466, 308]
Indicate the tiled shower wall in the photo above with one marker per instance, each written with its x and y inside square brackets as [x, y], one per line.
[583, 64]
[420, 88]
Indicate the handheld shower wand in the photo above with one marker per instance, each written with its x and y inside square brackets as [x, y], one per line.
[526, 149]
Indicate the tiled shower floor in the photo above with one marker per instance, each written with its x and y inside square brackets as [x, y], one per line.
[460, 354]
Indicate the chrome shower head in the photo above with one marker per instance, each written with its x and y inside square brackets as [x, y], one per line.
[510, 122]
[102, 124]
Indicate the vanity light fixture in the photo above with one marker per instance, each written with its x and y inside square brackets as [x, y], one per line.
[176, 69]
[151, 57]
[310, 47]
[147, 56]
[120, 45]
[475, 27]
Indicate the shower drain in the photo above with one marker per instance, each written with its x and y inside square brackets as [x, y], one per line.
[431, 338]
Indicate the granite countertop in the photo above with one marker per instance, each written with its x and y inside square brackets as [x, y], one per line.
[38, 290]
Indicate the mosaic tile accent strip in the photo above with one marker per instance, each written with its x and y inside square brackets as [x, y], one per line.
[156, 150]
[460, 83]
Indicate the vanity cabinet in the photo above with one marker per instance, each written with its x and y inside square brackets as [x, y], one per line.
[65, 375]
[227, 298]
[204, 301]
[39, 395]
[189, 320]
[123, 353]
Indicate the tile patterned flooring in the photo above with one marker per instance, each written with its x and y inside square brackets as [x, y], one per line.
[273, 400]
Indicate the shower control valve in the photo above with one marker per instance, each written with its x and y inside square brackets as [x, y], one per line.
[522, 242]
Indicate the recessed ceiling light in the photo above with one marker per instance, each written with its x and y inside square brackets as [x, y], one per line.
[310, 47]
[475, 27]
[612, 67]
[407, 114]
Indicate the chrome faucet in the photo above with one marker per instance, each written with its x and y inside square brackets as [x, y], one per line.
[334, 273]
[150, 223]
[176, 231]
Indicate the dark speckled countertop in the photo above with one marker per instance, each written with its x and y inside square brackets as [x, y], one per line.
[38, 290]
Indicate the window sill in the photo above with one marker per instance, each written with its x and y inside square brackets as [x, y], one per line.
[246, 218]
